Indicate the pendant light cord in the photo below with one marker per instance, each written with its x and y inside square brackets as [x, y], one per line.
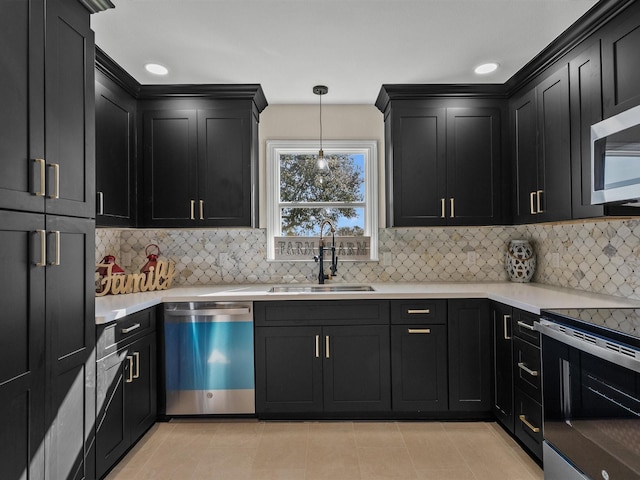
[320, 122]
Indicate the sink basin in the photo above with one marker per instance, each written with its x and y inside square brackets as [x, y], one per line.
[320, 288]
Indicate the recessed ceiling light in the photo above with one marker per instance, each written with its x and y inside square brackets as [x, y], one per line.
[486, 68]
[156, 69]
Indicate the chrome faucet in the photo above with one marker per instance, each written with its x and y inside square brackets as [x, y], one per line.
[320, 257]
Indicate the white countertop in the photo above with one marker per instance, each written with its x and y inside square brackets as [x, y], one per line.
[531, 297]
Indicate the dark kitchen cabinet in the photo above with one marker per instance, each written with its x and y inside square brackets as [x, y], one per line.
[541, 121]
[502, 318]
[620, 69]
[200, 162]
[517, 375]
[22, 344]
[443, 165]
[469, 342]
[52, 173]
[126, 386]
[310, 361]
[115, 152]
[419, 356]
[47, 393]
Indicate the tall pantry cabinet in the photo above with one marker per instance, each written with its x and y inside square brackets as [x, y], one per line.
[47, 358]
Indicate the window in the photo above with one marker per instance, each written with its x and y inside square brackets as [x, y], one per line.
[300, 195]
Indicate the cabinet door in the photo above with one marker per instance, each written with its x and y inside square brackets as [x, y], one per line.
[586, 109]
[473, 166]
[115, 144]
[170, 176]
[554, 154]
[419, 368]
[22, 100]
[224, 167]
[70, 314]
[356, 368]
[141, 402]
[502, 364]
[469, 329]
[288, 369]
[112, 436]
[22, 342]
[620, 68]
[525, 134]
[70, 100]
[418, 195]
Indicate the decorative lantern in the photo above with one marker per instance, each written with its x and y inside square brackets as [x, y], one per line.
[115, 269]
[152, 258]
[520, 261]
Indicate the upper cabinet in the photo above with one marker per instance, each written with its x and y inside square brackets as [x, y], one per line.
[443, 160]
[116, 108]
[200, 161]
[53, 94]
[541, 150]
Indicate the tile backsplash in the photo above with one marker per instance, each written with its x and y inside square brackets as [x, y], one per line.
[601, 256]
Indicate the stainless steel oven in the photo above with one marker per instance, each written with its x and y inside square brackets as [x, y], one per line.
[591, 391]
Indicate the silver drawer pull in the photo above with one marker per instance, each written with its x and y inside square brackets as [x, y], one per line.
[133, 327]
[130, 360]
[42, 164]
[505, 320]
[418, 330]
[317, 346]
[424, 311]
[136, 356]
[43, 248]
[522, 366]
[524, 420]
[526, 325]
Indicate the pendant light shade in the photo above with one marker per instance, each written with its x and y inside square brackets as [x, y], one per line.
[323, 164]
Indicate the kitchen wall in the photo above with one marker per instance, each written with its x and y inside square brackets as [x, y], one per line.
[600, 256]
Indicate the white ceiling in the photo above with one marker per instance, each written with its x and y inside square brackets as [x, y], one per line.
[352, 46]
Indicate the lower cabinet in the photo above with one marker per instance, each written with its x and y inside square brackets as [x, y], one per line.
[322, 369]
[126, 387]
[517, 375]
[307, 364]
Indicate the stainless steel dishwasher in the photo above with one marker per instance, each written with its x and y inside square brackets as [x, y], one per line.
[209, 358]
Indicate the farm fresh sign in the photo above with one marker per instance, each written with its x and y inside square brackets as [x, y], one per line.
[305, 248]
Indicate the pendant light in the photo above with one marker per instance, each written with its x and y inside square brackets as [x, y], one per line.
[323, 164]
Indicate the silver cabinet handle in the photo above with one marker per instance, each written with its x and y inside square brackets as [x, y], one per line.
[42, 164]
[133, 327]
[442, 213]
[56, 180]
[43, 248]
[192, 215]
[522, 366]
[505, 319]
[136, 356]
[100, 203]
[317, 346]
[208, 312]
[130, 360]
[201, 209]
[452, 204]
[418, 330]
[538, 193]
[526, 325]
[56, 259]
[524, 420]
[326, 347]
[423, 311]
[532, 207]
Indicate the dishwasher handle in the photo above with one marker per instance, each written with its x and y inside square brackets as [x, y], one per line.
[209, 312]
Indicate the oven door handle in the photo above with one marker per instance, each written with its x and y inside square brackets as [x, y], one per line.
[609, 350]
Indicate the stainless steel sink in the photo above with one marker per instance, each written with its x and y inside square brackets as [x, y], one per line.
[320, 288]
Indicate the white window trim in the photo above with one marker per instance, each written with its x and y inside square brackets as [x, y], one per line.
[274, 147]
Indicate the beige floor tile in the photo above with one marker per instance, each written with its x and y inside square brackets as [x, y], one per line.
[378, 434]
[457, 473]
[331, 434]
[277, 474]
[280, 456]
[335, 463]
[385, 463]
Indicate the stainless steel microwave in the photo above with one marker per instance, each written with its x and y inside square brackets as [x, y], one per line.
[615, 159]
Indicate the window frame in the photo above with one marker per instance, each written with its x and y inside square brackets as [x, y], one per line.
[370, 204]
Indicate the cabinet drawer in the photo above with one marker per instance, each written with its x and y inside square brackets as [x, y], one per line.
[523, 327]
[123, 331]
[408, 312]
[526, 368]
[528, 422]
[322, 312]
